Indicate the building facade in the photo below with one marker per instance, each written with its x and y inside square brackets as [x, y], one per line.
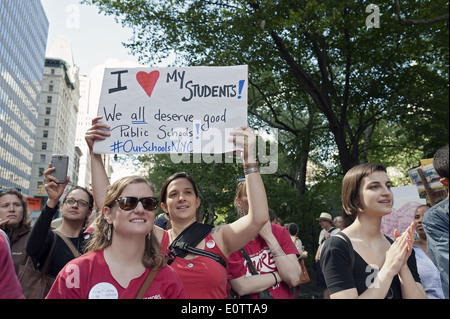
[23, 39]
[57, 119]
[85, 116]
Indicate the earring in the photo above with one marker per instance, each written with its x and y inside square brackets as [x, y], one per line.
[108, 234]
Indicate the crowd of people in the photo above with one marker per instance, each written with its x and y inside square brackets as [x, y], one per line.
[126, 252]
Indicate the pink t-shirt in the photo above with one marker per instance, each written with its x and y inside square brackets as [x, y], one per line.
[88, 277]
[262, 258]
[203, 277]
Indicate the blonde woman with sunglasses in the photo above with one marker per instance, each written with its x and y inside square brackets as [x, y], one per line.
[124, 259]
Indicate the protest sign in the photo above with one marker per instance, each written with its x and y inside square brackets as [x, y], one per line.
[172, 110]
[406, 201]
[34, 203]
[429, 185]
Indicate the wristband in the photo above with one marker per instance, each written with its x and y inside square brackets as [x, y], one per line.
[251, 170]
[250, 165]
[275, 276]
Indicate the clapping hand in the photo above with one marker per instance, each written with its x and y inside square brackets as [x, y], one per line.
[400, 250]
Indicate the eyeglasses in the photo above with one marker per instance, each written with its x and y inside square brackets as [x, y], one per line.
[129, 203]
[80, 203]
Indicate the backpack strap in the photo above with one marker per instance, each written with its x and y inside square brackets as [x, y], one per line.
[186, 242]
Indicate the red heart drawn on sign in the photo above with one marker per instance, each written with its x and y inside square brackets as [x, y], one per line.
[148, 81]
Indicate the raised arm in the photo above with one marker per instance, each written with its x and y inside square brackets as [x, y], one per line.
[236, 235]
[100, 180]
[40, 239]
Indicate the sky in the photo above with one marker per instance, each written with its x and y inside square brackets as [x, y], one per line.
[94, 37]
[96, 42]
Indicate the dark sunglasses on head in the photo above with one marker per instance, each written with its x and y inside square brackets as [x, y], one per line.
[130, 203]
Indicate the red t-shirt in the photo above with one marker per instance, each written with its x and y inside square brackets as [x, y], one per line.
[203, 277]
[262, 258]
[9, 284]
[88, 277]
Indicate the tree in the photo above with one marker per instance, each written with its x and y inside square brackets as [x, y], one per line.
[339, 89]
[353, 75]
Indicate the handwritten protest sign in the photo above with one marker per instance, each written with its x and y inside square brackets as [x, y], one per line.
[172, 110]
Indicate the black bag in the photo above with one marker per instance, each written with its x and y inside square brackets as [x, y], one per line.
[189, 238]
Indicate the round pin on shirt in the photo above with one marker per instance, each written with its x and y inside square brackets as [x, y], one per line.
[103, 290]
[210, 243]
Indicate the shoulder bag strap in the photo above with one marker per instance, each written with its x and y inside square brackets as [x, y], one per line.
[146, 284]
[69, 244]
[265, 294]
[46, 265]
[250, 264]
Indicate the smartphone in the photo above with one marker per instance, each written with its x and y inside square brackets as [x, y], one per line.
[61, 163]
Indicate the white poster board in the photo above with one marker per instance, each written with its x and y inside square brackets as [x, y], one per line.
[172, 110]
[406, 201]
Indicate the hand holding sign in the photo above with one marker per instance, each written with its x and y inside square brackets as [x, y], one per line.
[245, 140]
[171, 110]
[99, 131]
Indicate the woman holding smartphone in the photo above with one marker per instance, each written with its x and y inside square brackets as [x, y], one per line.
[70, 237]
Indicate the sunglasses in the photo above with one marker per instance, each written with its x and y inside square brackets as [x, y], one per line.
[129, 203]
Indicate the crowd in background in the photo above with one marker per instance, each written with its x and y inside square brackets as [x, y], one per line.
[108, 242]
